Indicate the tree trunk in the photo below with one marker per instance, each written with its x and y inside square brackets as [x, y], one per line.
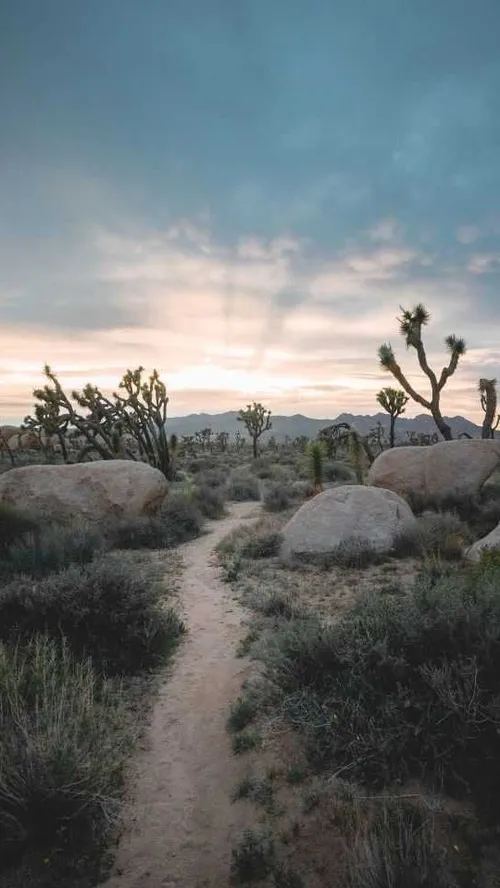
[391, 433]
[442, 425]
[254, 447]
[487, 431]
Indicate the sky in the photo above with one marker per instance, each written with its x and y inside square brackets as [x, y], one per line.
[242, 193]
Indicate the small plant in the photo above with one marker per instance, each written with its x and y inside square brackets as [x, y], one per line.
[277, 497]
[316, 453]
[241, 714]
[261, 545]
[245, 741]
[258, 789]
[243, 487]
[253, 858]
[16, 526]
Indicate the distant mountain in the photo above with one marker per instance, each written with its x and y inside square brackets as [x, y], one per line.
[294, 426]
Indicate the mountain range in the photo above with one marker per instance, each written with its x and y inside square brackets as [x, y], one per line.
[294, 426]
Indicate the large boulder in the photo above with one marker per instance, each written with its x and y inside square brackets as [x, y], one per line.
[447, 469]
[490, 542]
[352, 513]
[93, 491]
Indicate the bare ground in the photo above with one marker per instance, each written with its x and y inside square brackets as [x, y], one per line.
[181, 823]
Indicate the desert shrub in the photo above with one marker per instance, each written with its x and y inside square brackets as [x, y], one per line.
[276, 604]
[334, 470]
[261, 544]
[351, 553]
[211, 501]
[16, 526]
[253, 858]
[301, 489]
[277, 497]
[213, 478]
[143, 532]
[243, 487]
[64, 739]
[400, 848]
[181, 518]
[435, 533]
[480, 512]
[107, 610]
[402, 687]
[55, 548]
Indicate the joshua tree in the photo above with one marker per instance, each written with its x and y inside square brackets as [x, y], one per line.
[393, 401]
[488, 393]
[332, 436]
[222, 441]
[410, 325]
[257, 420]
[138, 409]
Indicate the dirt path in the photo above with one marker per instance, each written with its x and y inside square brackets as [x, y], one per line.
[183, 824]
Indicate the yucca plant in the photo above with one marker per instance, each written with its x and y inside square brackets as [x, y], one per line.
[316, 463]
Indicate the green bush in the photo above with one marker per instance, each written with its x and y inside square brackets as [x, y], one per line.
[261, 544]
[400, 848]
[107, 610]
[442, 534]
[402, 687]
[243, 487]
[211, 501]
[142, 532]
[333, 470]
[253, 858]
[16, 526]
[55, 548]
[277, 497]
[64, 738]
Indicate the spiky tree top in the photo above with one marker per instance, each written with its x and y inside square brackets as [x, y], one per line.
[411, 323]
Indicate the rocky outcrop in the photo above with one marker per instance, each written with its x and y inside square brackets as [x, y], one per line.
[490, 542]
[447, 469]
[350, 514]
[93, 491]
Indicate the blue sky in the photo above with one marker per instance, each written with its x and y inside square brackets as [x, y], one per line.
[243, 193]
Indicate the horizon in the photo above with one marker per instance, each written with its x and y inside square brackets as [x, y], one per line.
[245, 197]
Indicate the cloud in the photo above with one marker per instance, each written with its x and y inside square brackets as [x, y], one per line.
[302, 327]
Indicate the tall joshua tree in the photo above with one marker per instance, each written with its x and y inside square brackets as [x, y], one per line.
[411, 323]
[488, 393]
[394, 402]
[257, 420]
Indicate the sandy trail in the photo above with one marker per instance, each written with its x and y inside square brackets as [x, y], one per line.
[182, 824]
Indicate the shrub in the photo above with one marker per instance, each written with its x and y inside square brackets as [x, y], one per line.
[253, 858]
[261, 544]
[400, 848]
[142, 532]
[181, 518]
[211, 501]
[64, 738]
[442, 534]
[15, 526]
[55, 548]
[333, 470]
[107, 610]
[351, 553]
[404, 687]
[277, 498]
[241, 714]
[243, 487]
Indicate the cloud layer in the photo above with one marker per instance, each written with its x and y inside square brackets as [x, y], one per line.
[245, 204]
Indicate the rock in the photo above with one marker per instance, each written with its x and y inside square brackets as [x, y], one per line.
[93, 490]
[351, 513]
[448, 469]
[489, 542]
